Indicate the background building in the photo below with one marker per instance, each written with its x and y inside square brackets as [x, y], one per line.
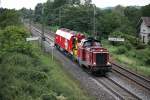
[144, 29]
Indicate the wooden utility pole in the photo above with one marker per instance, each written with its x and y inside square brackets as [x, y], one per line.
[43, 22]
[30, 20]
[60, 16]
[94, 21]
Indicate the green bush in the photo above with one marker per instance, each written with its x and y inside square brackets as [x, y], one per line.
[9, 17]
[54, 28]
[121, 50]
[146, 55]
[13, 39]
[50, 96]
[148, 43]
[147, 60]
[128, 45]
[18, 59]
[117, 34]
[140, 46]
[131, 39]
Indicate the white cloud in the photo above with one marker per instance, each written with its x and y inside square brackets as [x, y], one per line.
[18, 4]
[112, 3]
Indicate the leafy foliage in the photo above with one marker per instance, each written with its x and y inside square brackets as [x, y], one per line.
[13, 39]
[133, 14]
[121, 50]
[64, 13]
[145, 10]
[26, 13]
[71, 14]
[38, 13]
[9, 17]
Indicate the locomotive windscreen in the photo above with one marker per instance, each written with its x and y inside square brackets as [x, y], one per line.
[101, 58]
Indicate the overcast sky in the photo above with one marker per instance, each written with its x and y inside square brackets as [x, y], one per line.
[18, 4]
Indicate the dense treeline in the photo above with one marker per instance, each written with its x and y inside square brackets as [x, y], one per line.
[9, 17]
[75, 15]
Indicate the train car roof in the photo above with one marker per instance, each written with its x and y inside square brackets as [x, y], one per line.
[64, 34]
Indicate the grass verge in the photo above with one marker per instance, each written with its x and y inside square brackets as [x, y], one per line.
[133, 59]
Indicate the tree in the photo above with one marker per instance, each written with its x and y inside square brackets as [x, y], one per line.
[77, 18]
[59, 3]
[74, 2]
[119, 9]
[13, 39]
[109, 22]
[87, 2]
[145, 10]
[26, 13]
[38, 12]
[9, 17]
[133, 14]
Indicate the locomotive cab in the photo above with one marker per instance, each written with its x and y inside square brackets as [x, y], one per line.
[92, 55]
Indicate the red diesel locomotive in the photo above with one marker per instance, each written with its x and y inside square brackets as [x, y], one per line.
[87, 51]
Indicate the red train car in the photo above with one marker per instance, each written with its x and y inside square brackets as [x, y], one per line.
[64, 39]
[87, 51]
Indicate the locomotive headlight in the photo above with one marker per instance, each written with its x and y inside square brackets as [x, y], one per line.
[94, 63]
[108, 63]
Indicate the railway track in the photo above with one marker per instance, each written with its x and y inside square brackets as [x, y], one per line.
[140, 80]
[120, 92]
[116, 89]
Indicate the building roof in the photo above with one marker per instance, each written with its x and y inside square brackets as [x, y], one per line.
[146, 21]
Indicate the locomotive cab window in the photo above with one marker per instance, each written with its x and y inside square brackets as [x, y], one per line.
[87, 44]
[96, 44]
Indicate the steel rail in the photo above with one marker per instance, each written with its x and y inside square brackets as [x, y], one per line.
[133, 79]
[135, 96]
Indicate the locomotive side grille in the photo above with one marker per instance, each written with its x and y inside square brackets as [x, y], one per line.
[101, 58]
